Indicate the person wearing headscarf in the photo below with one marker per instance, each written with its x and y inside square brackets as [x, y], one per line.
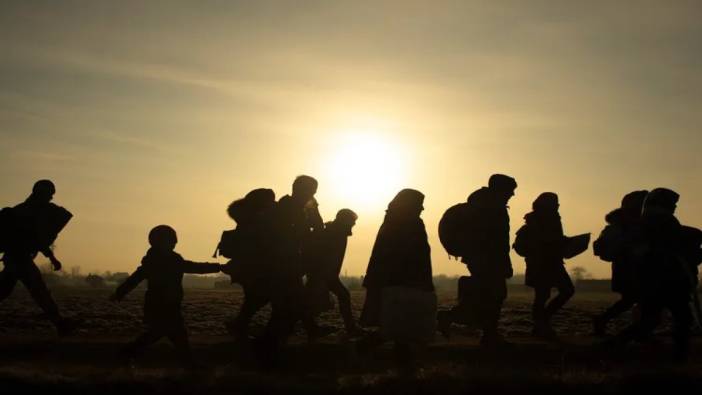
[401, 257]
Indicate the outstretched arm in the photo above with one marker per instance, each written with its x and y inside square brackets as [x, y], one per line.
[129, 284]
[201, 267]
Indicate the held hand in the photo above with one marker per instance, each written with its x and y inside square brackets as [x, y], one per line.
[55, 263]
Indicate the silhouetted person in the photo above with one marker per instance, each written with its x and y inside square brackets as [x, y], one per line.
[545, 268]
[615, 244]
[485, 252]
[692, 247]
[327, 257]
[297, 221]
[31, 228]
[163, 270]
[665, 275]
[401, 257]
[250, 250]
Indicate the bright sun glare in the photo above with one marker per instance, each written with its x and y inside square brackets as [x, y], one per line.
[366, 169]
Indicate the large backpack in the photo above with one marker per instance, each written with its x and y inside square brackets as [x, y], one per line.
[609, 244]
[228, 243]
[451, 229]
[459, 228]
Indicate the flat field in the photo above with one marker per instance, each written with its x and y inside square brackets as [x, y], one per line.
[33, 359]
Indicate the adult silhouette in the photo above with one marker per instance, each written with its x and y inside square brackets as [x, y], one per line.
[541, 242]
[664, 273]
[400, 258]
[615, 244]
[31, 228]
[297, 223]
[251, 250]
[484, 248]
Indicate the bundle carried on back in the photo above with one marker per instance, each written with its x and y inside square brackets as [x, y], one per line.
[22, 228]
[249, 244]
[459, 229]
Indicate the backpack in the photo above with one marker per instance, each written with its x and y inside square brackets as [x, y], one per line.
[459, 229]
[522, 241]
[228, 244]
[451, 229]
[609, 244]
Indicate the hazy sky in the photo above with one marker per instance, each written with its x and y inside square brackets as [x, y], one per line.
[163, 112]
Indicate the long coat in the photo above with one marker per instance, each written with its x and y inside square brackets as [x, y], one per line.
[544, 261]
[401, 257]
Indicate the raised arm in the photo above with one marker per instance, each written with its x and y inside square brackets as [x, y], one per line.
[201, 267]
[130, 283]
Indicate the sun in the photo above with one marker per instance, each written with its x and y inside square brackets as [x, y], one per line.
[365, 169]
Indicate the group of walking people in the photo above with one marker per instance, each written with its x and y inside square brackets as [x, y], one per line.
[283, 254]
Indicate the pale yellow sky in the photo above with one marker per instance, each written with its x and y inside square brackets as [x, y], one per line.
[164, 112]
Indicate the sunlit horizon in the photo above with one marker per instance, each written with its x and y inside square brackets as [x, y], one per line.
[141, 122]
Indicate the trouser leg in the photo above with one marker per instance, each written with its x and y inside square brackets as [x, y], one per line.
[343, 297]
[254, 300]
[33, 281]
[538, 308]
[651, 308]
[566, 290]
[682, 322]
[493, 292]
[281, 323]
[621, 306]
[178, 335]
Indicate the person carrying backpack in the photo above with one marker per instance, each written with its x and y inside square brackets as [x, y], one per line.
[665, 273]
[480, 236]
[541, 242]
[249, 249]
[29, 228]
[615, 245]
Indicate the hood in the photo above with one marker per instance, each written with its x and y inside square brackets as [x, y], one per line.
[615, 216]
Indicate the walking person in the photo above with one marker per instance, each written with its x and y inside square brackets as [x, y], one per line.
[400, 268]
[28, 229]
